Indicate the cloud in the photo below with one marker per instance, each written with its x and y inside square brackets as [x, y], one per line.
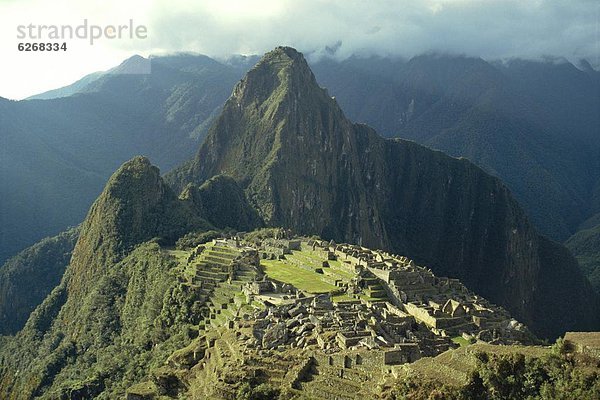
[490, 29]
[486, 28]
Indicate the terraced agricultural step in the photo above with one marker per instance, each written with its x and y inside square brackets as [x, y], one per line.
[204, 282]
[215, 276]
[222, 319]
[376, 294]
[227, 289]
[213, 270]
[240, 281]
[275, 371]
[224, 249]
[353, 375]
[218, 301]
[243, 278]
[220, 254]
[217, 260]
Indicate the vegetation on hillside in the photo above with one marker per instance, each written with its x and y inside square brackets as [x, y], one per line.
[222, 202]
[134, 317]
[121, 308]
[585, 246]
[27, 278]
[193, 239]
[49, 169]
[514, 376]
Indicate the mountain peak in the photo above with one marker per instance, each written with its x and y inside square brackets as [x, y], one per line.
[283, 53]
[134, 65]
[306, 167]
[135, 206]
[281, 73]
[277, 105]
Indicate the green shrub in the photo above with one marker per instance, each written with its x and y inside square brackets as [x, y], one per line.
[193, 239]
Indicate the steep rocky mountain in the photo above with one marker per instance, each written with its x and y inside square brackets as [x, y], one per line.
[534, 124]
[27, 278]
[56, 154]
[223, 203]
[305, 166]
[284, 147]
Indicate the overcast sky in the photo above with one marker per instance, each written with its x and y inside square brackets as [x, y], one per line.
[491, 29]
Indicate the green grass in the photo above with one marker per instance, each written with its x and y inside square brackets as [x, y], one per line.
[341, 271]
[461, 341]
[299, 277]
[180, 255]
[315, 260]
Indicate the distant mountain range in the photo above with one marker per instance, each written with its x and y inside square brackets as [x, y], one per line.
[534, 124]
[280, 153]
[56, 154]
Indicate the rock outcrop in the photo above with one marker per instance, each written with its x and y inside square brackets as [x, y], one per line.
[222, 203]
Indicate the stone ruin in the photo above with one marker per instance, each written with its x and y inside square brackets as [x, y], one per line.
[395, 312]
[409, 313]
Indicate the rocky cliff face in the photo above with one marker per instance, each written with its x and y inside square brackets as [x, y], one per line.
[304, 166]
[223, 203]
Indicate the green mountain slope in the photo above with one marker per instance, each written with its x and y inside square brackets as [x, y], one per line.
[286, 148]
[27, 278]
[533, 124]
[117, 298]
[223, 203]
[101, 340]
[135, 206]
[585, 246]
[304, 166]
